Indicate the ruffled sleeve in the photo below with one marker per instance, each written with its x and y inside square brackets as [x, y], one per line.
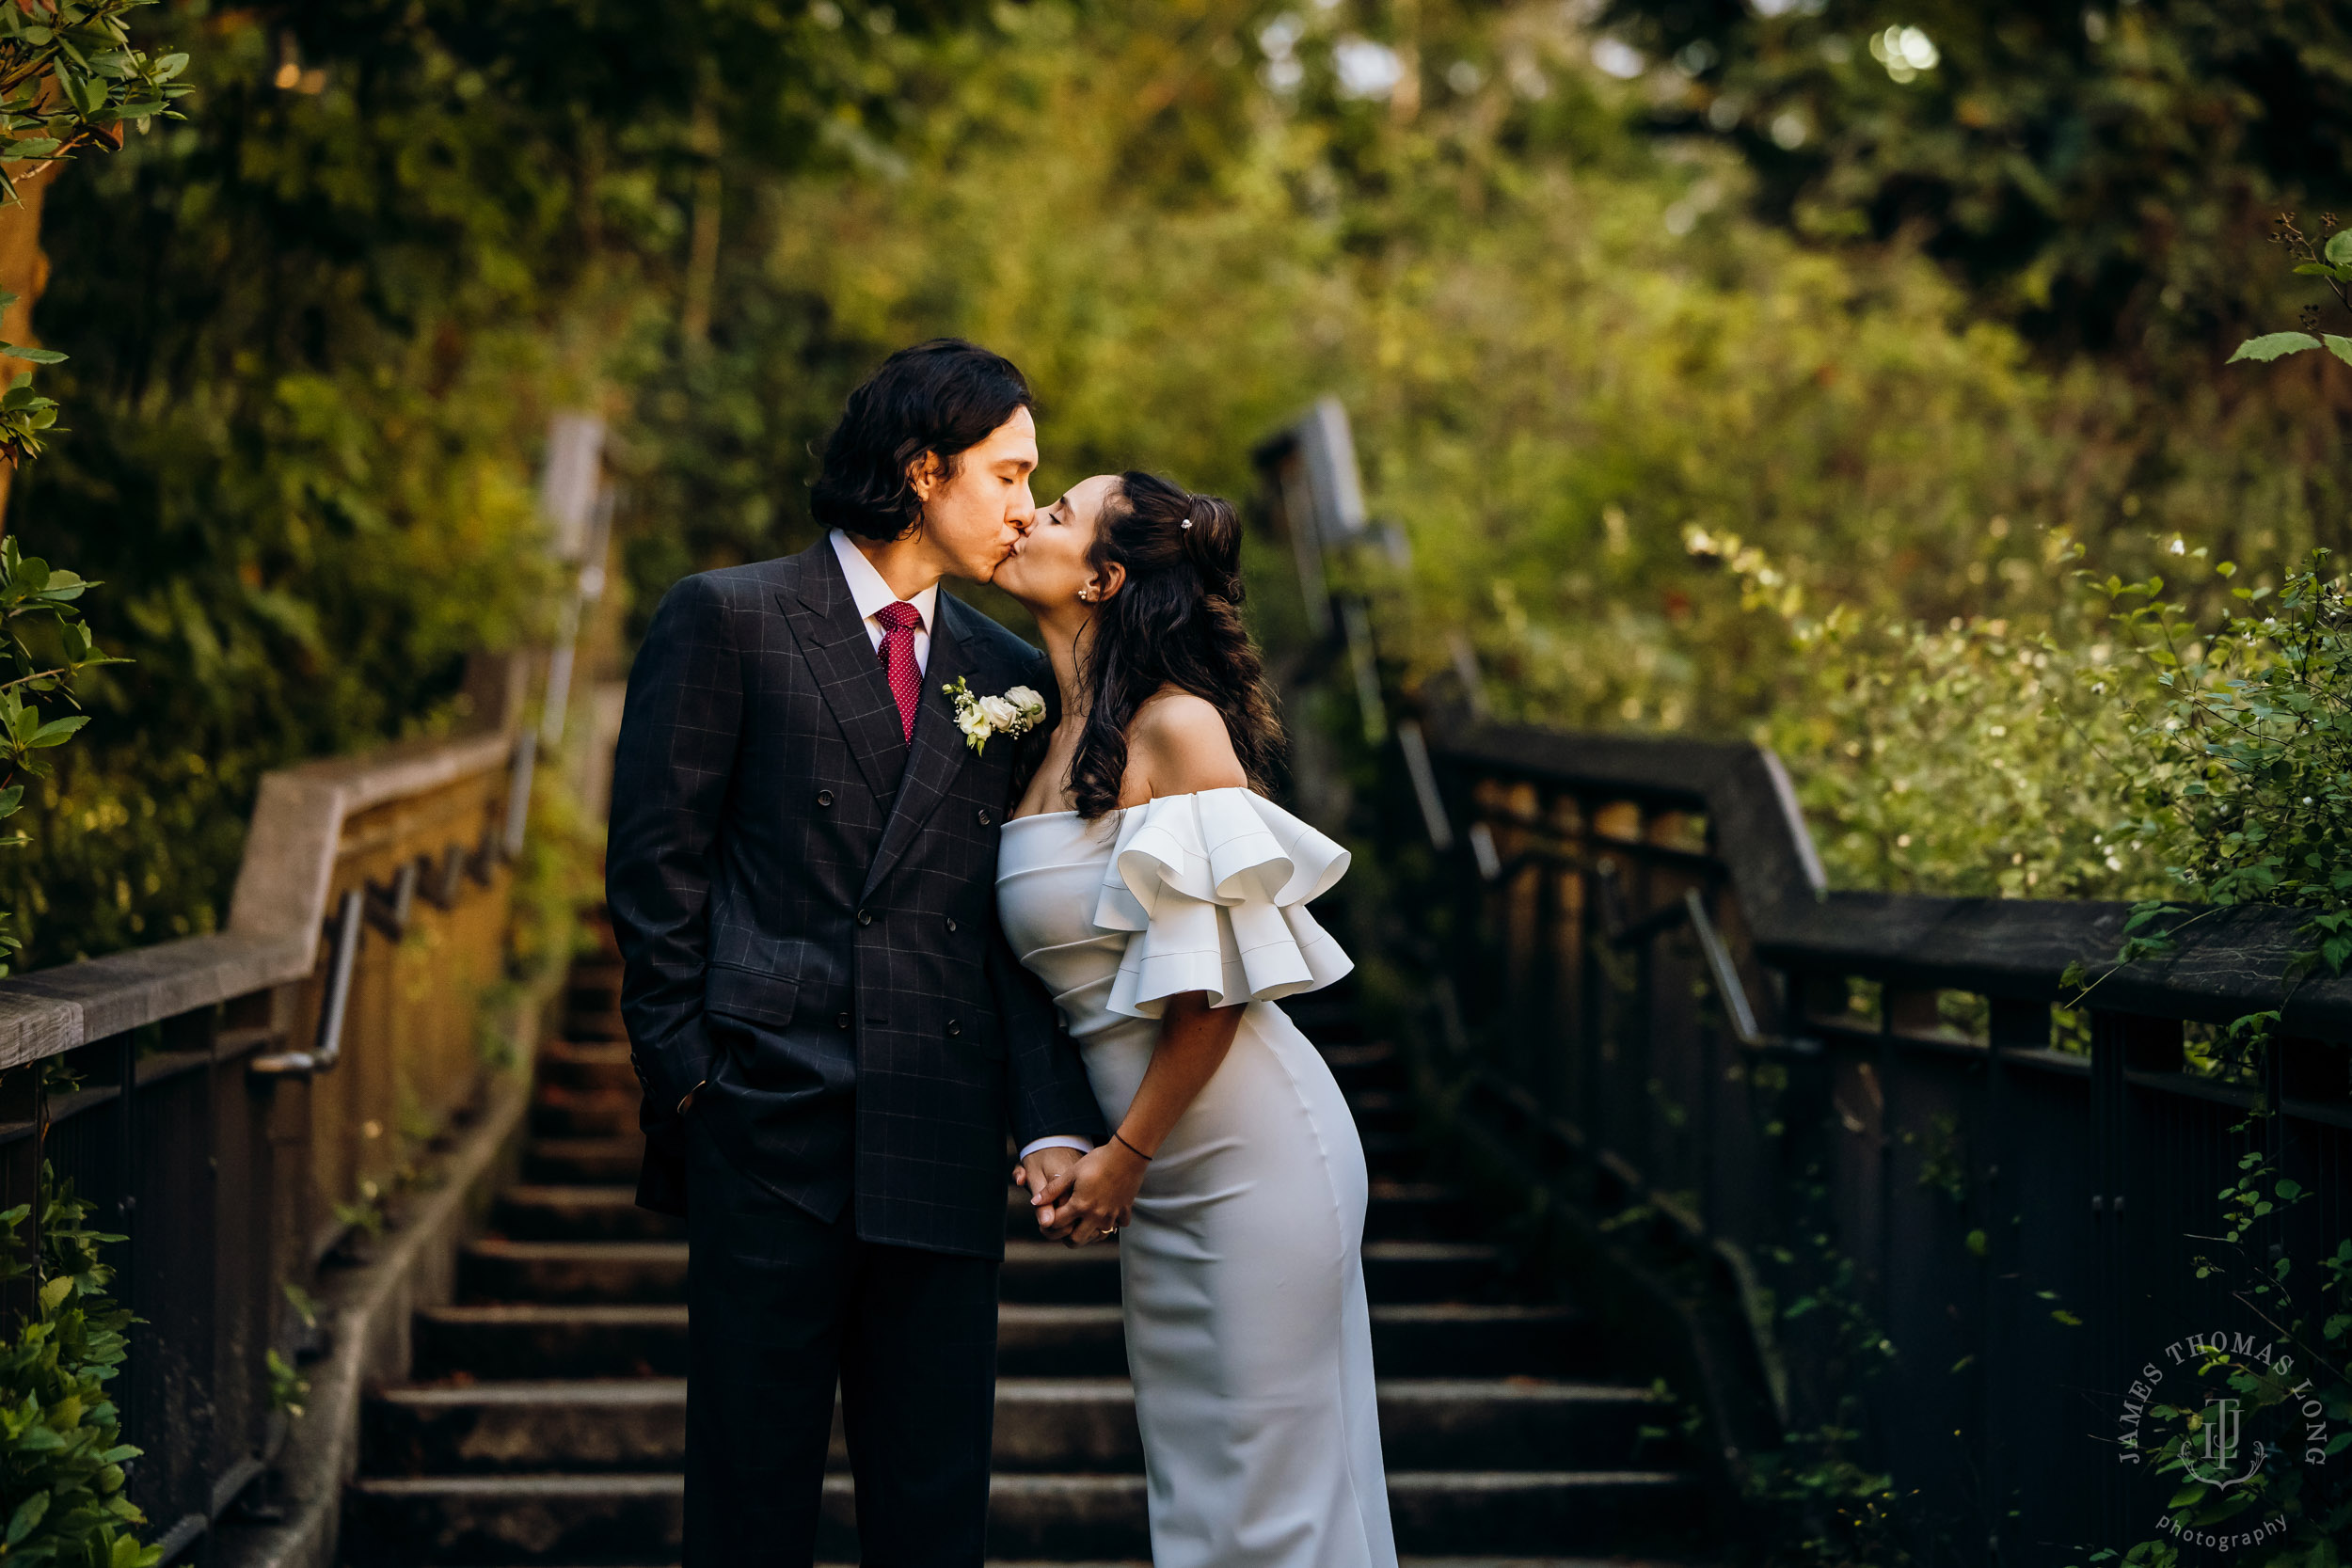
[1213, 888]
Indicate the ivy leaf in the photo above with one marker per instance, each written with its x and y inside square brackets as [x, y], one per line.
[2339, 248]
[38, 356]
[27, 1515]
[2270, 345]
[2339, 346]
[57, 731]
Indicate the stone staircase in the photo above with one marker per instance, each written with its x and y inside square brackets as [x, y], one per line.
[546, 1421]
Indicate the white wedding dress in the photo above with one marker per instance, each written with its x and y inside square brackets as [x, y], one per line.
[1248, 1335]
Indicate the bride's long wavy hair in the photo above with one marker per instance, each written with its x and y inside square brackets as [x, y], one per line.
[1176, 620]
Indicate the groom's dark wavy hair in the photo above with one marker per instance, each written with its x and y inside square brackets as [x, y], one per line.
[1176, 620]
[942, 397]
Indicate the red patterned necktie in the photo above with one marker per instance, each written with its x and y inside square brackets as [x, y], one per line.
[896, 653]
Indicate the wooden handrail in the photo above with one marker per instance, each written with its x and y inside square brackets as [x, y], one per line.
[277, 916]
[2229, 963]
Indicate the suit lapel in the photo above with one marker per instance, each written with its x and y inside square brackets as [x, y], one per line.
[940, 748]
[833, 639]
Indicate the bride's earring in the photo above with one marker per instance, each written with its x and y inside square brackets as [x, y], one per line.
[1087, 595]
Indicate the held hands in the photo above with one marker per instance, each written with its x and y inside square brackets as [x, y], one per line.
[1080, 1200]
[1043, 1173]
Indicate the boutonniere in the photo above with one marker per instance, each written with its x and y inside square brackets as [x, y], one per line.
[982, 719]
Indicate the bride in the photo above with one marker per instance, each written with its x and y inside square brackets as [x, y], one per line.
[1162, 898]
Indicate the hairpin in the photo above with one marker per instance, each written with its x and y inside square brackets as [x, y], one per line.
[1187, 523]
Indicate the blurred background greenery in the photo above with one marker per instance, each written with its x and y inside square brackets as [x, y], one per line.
[1760, 369]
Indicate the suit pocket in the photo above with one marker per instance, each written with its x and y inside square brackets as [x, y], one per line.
[766, 1000]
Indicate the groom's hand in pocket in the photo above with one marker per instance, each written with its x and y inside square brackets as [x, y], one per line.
[1047, 1176]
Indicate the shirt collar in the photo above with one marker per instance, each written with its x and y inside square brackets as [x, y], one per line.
[868, 589]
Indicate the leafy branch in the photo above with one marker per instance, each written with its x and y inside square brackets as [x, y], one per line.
[2330, 260]
[70, 79]
[61, 1453]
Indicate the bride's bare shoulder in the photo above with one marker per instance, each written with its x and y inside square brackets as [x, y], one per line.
[1180, 744]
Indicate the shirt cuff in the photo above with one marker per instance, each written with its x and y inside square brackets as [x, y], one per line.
[1058, 1141]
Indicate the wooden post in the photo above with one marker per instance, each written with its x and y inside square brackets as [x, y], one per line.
[24, 273]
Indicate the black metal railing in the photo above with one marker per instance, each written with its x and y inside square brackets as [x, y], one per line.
[232, 1104]
[1957, 1207]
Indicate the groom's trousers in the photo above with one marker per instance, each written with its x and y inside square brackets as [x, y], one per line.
[781, 1305]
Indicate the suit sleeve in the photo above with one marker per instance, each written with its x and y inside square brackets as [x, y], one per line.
[671, 772]
[1046, 1086]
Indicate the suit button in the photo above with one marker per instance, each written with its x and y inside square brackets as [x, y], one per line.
[951, 923]
[824, 797]
[954, 1028]
[986, 816]
[866, 917]
[841, 1021]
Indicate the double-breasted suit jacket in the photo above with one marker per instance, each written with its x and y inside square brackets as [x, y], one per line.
[805, 905]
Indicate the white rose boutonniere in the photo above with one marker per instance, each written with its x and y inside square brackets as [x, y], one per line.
[982, 719]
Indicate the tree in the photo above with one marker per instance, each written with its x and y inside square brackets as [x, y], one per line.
[2100, 173]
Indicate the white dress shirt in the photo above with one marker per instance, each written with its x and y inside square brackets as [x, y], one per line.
[869, 593]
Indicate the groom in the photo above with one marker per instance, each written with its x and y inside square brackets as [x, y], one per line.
[832, 1037]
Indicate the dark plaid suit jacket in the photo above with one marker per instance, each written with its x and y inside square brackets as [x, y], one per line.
[806, 907]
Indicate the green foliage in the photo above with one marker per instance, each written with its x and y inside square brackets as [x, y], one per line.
[318, 332]
[309, 400]
[33, 592]
[1869, 731]
[288, 1388]
[61, 1453]
[2304, 1386]
[1831, 1511]
[2244, 759]
[70, 77]
[2094, 173]
[26, 417]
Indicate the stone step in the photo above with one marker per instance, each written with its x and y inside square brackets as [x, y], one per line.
[1043, 1425]
[1419, 1211]
[1381, 1110]
[592, 985]
[587, 1065]
[570, 1272]
[484, 1521]
[579, 1214]
[541, 1341]
[566, 1425]
[1369, 1065]
[1048, 1272]
[1394, 1156]
[588, 1161]
[561, 1112]
[1409, 1342]
[1325, 1019]
[594, 1023]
